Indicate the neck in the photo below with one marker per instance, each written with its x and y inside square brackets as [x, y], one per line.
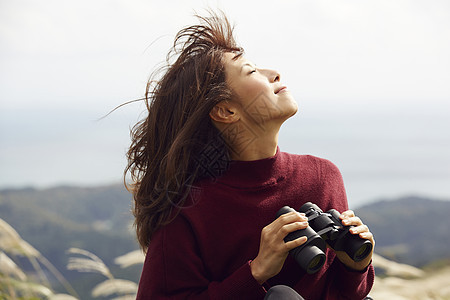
[251, 144]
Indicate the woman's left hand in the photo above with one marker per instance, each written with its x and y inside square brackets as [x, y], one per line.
[349, 219]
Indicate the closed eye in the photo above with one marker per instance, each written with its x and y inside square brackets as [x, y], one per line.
[249, 65]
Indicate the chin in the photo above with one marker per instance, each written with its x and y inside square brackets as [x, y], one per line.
[293, 113]
[293, 108]
[288, 113]
[288, 108]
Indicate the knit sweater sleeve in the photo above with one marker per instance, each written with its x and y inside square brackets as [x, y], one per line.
[174, 269]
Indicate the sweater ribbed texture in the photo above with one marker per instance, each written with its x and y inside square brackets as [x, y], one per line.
[205, 252]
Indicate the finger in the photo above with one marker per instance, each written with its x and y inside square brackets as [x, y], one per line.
[290, 218]
[291, 227]
[363, 232]
[295, 243]
[367, 236]
[347, 214]
[283, 220]
[359, 229]
[355, 221]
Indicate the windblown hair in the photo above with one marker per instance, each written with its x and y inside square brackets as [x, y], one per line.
[163, 159]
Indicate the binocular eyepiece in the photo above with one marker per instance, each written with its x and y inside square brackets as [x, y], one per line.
[324, 228]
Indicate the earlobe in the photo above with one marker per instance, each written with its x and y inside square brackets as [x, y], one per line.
[223, 113]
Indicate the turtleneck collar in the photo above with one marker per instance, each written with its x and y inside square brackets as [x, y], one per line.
[255, 173]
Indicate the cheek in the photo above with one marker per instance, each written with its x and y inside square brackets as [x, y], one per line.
[260, 106]
[252, 89]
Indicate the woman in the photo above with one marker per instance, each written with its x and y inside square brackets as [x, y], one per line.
[209, 178]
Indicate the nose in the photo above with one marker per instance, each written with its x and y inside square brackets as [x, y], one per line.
[273, 76]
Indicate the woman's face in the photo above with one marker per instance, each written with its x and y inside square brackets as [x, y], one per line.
[263, 100]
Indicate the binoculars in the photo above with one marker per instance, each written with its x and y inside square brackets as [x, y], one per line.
[324, 228]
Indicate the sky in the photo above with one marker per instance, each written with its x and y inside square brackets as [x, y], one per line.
[372, 80]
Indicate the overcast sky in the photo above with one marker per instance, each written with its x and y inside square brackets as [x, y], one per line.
[371, 79]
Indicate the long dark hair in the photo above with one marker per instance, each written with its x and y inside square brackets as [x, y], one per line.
[164, 158]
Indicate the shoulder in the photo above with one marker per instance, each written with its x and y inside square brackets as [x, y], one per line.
[318, 164]
[323, 178]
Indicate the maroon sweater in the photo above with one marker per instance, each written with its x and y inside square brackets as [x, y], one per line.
[205, 252]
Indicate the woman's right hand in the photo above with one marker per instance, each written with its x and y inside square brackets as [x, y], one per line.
[273, 251]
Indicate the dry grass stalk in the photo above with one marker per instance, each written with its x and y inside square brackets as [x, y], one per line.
[62, 297]
[11, 242]
[27, 290]
[125, 297]
[91, 263]
[58, 276]
[114, 286]
[8, 267]
[129, 259]
[35, 288]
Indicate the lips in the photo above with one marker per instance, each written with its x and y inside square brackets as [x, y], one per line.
[280, 89]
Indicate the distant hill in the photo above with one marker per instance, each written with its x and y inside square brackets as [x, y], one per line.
[411, 230]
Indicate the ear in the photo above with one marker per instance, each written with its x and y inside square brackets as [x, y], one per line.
[224, 112]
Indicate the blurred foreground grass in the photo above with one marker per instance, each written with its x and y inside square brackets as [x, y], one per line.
[15, 283]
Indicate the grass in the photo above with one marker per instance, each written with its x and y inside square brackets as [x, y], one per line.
[15, 283]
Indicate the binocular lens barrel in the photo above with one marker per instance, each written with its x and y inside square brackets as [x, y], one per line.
[357, 248]
[311, 255]
[312, 260]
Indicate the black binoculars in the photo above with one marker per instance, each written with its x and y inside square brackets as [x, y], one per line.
[324, 228]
